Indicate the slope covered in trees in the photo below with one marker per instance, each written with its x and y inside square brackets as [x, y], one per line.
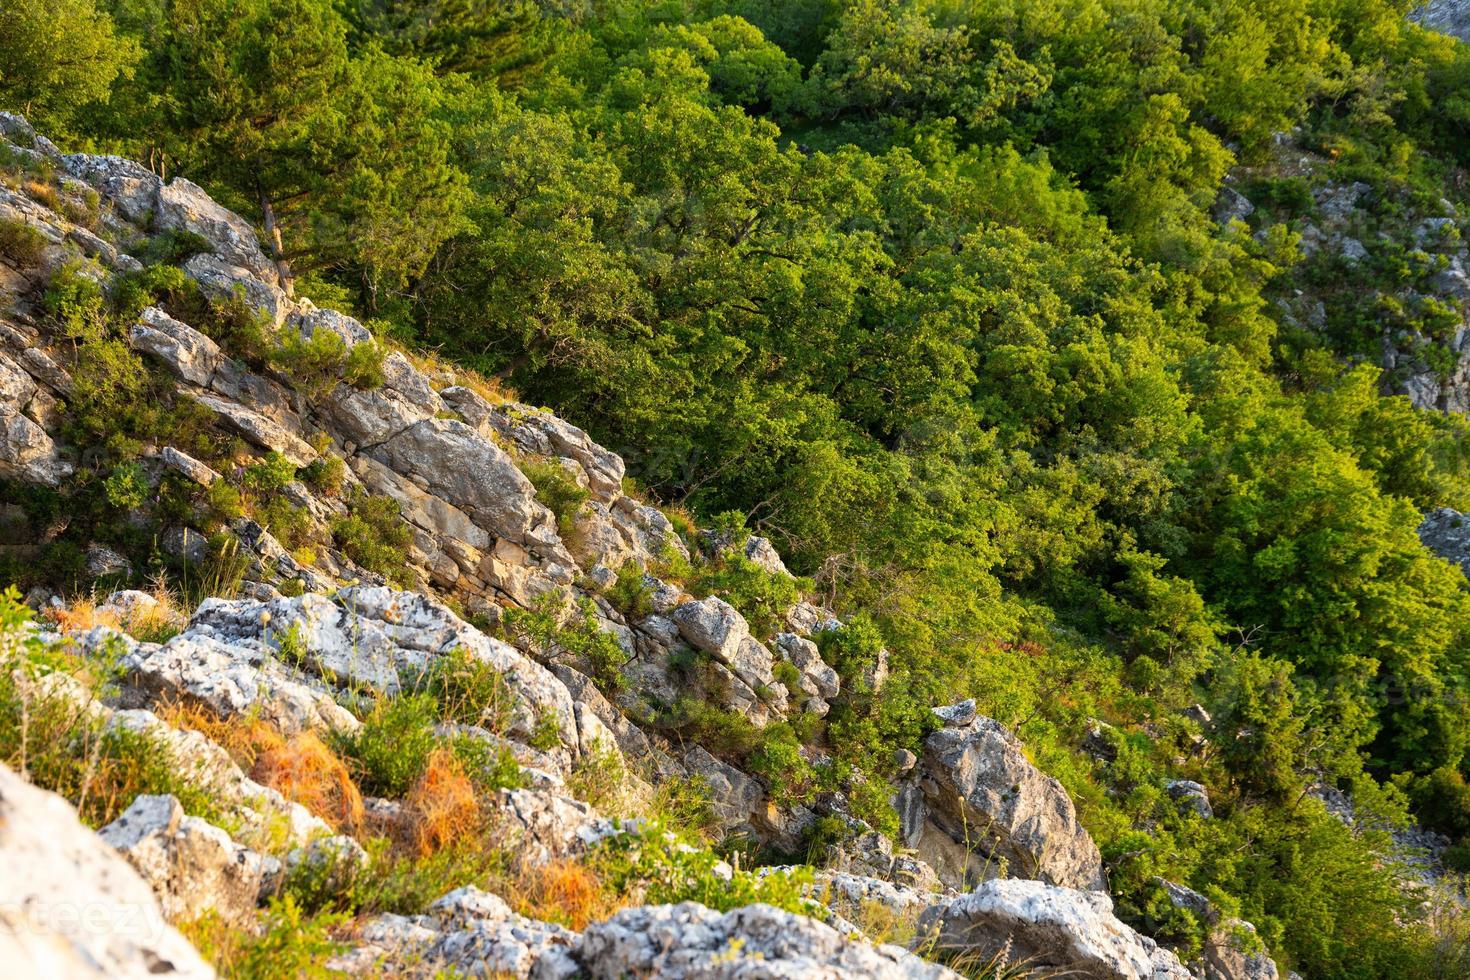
[931, 293]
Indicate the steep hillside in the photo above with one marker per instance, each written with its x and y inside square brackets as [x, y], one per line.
[1001, 511]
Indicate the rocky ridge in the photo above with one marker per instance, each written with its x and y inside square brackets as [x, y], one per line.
[990, 854]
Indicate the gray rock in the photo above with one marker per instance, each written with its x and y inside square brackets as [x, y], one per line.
[763, 553]
[230, 680]
[1232, 205]
[183, 206]
[257, 428]
[1188, 793]
[712, 625]
[958, 715]
[185, 543]
[757, 942]
[191, 865]
[467, 470]
[734, 796]
[984, 793]
[70, 906]
[129, 187]
[542, 433]
[1446, 532]
[224, 282]
[185, 351]
[1231, 951]
[1072, 932]
[188, 466]
[102, 560]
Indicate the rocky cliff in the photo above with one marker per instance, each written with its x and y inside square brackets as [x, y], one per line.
[365, 529]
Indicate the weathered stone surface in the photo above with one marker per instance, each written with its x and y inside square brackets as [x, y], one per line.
[483, 937]
[712, 625]
[224, 281]
[183, 206]
[183, 463]
[1446, 532]
[541, 825]
[1072, 932]
[191, 865]
[757, 942]
[102, 560]
[818, 679]
[70, 906]
[185, 351]
[28, 453]
[230, 680]
[466, 469]
[984, 793]
[542, 433]
[734, 795]
[1190, 794]
[257, 428]
[307, 319]
[129, 187]
[1231, 951]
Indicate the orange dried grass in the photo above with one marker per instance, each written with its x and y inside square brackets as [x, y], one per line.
[304, 770]
[567, 892]
[442, 804]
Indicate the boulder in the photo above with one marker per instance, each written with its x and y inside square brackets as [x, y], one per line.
[183, 350]
[457, 464]
[225, 282]
[481, 936]
[712, 625]
[1061, 930]
[183, 206]
[1190, 795]
[982, 791]
[230, 680]
[187, 466]
[191, 865]
[1446, 532]
[257, 428]
[757, 942]
[70, 905]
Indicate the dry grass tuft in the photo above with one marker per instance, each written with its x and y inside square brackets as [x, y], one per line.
[567, 892]
[306, 771]
[442, 804]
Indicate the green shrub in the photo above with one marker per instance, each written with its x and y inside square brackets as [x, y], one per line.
[364, 365]
[22, 244]
[762, 598]
[292, 944]
[269, 475]
[58, 744]
[126, 487]
[490, 767]
[314, 364]
[664, 868]
[74, 301]
[374, 534]
[468, 690]
[852, 649]
[391, 749]
[326, 474]
[171, 247]
[630, 594]
[558, 490]
[581, 637]
[779, 761]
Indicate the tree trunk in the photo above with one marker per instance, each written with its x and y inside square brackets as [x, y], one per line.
[278, 251]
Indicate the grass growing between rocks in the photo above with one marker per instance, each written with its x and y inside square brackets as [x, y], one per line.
[52, 733]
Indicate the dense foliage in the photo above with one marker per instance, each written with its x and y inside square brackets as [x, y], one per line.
[930, 291]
